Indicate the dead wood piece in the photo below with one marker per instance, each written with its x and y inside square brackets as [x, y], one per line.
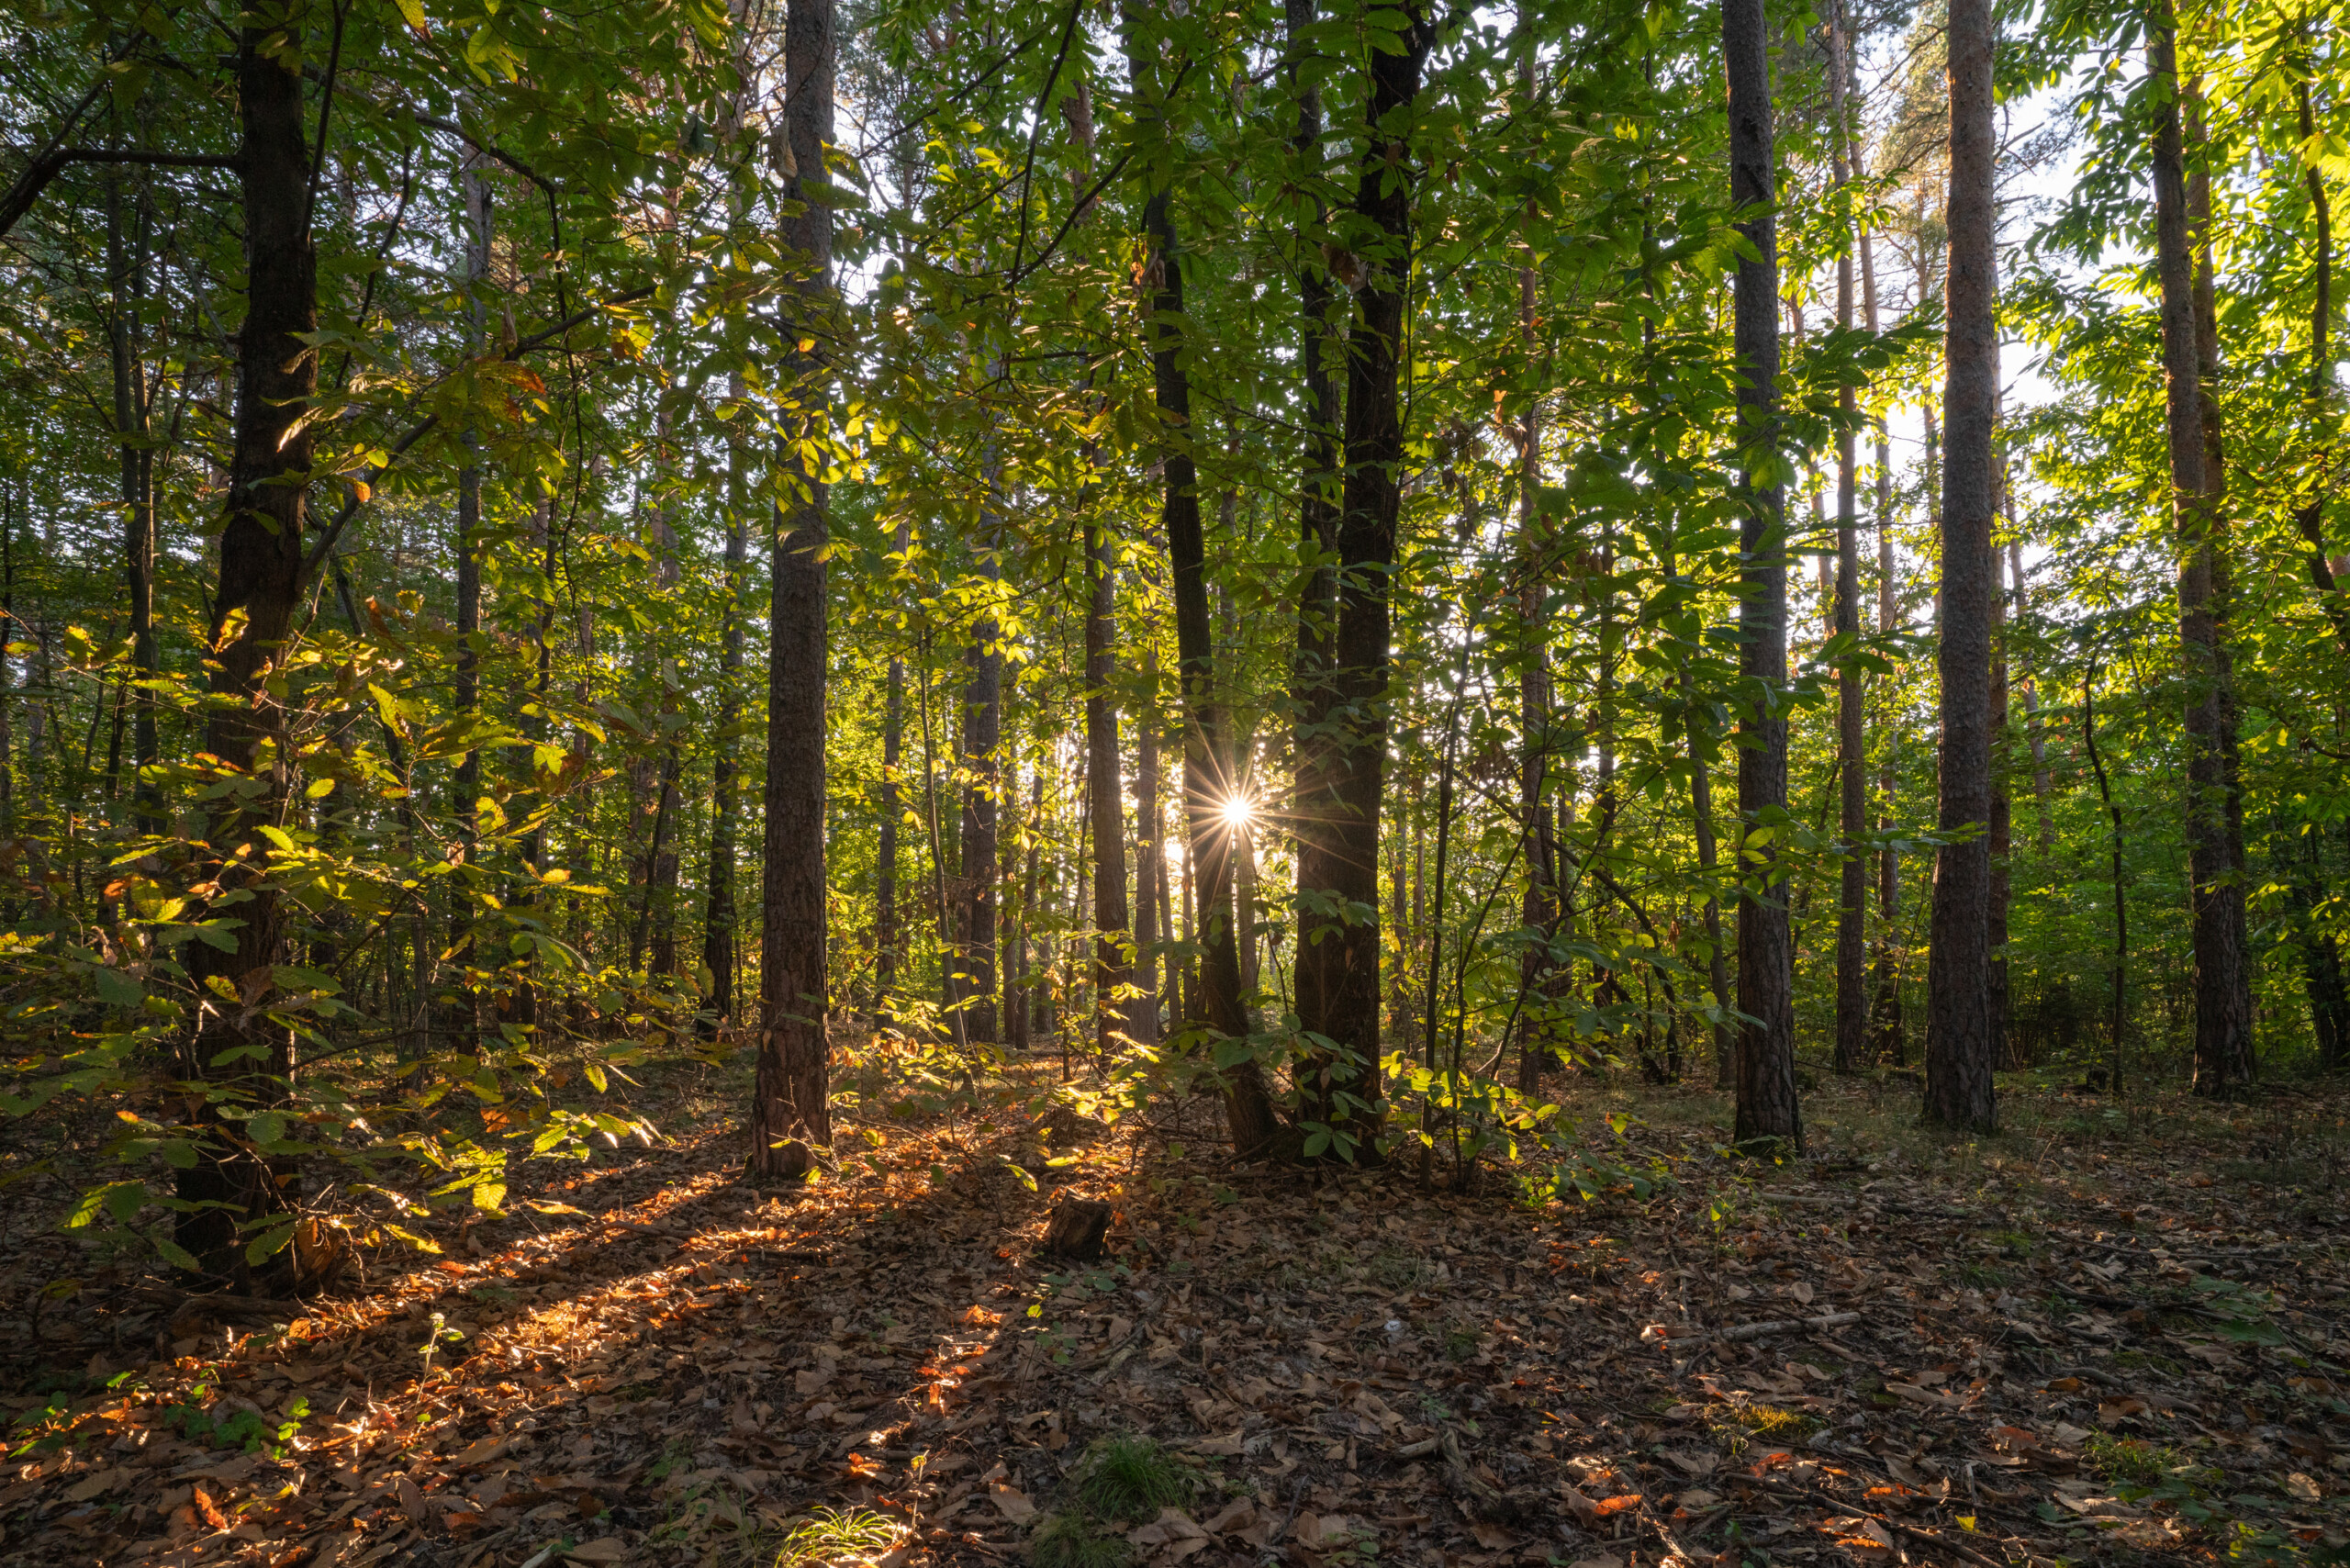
[1077, 1228]
[1757, 1330]
[1846, 1505]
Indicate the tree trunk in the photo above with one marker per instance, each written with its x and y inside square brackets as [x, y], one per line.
[1337, 962]
[888, 925]
[1248, 1106]
[1851, 905]
[2309, 517]
[253, 615]
[2221, 982]
[126, 259]
[1312, 806]
[1884, 1008]
[1767, 1106]
[1961, 1050]
[2042, 783]
[719, 917]
[1151, 864]
[1112, 941]
[790, 1108]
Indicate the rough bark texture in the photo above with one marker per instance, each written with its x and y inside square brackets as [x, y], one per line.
[2223, 986]
[252, 609]
[791, 1107]
[1960, 1047]
[1767, 1105]
[1337, 967]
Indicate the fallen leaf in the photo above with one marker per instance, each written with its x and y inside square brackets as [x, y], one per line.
[1011, 1503]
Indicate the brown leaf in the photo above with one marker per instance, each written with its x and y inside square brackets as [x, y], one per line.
[207, 1509]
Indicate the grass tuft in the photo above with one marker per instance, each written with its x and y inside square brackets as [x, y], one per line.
[829, 1533]
[1132, 1478]
[1775, 1425]
[1070, 1540]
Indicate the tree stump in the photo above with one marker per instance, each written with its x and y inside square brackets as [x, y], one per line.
[1077, 1228]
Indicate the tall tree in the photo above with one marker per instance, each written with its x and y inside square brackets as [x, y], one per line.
[1851, 904]
[1113, 941]
[2222, 987]
[791, 1107]
[1961, 1049]
[254, 604]
[1767, 1105]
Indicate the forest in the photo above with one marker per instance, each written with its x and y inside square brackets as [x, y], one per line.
[900, 780]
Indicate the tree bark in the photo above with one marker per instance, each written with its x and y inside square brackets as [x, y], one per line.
[1960, 1045]
[2222, 1050]
[1767, 1105]
[1338, 961]
[1248, 1107]
[1112, 941]
[888, 924]
[791, 1109]
[1884, 1009]
[1852, 907]
[1151, 864]
[2309, 517]
[253, 615]
[719, 917]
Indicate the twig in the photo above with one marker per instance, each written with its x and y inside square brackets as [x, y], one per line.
[1753, 1331]
[1845, 1506]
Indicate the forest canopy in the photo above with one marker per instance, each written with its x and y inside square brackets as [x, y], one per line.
[1356, 559]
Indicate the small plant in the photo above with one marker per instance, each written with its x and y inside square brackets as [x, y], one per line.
[2131, 1461]
[1459, 1342]
[1132, 1478]
[1396, 1270]
[1070, 1539]
[836, 1532]
[1774, 1425]
[243, 1430]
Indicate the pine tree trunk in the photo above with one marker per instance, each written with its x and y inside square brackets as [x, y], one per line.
[790, 1108]
[2222, 1051]
[1767, 1105]
[252, 614]
[1961, 1049]
[1884, 1008]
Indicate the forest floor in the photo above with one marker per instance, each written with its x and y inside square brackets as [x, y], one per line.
[2115, 1332]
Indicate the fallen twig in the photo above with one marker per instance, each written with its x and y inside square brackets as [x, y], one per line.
[1651, 1335]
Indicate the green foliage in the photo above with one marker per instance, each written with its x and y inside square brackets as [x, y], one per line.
[1129, 1477]
[1069, 1539]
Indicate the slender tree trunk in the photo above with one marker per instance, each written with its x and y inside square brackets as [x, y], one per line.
[888, 925]
[974, 976]
[252, 616]
[1113, 941]
[1852, 908]
[1248, 1106]
[1886, 1006]
[127, 261]
[1961, 1049]
[720, 913]
[1151, 864]
[2223, 983]
[2002, 831]
[1312, 806]
[2044, 785]
[2121, 891]
[1767, 1105]
[2309, 517]
[791, 1109]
